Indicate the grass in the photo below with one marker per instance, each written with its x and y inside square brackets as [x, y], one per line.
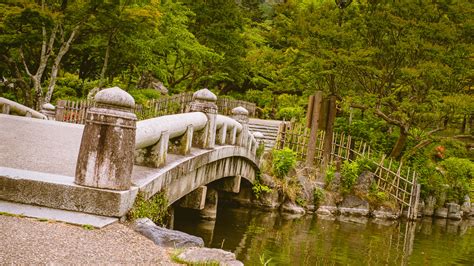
[175, 258]
[11, 214]
[88, 227]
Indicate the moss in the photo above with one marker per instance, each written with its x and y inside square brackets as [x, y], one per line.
[155, 208]
[176, 259]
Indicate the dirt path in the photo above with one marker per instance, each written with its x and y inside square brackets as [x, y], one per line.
[30, 241]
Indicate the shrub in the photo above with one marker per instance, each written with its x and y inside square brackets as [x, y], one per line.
[318, 196]
[287, 113]
[259, 188]
[459, 174]
[283, 161]
[330, 172]
[349, 173]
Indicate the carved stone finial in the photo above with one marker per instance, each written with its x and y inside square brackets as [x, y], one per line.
[115, 96]
[240, 111]
[240, 114]
[204, 95]
[48, 106]
[258, 135]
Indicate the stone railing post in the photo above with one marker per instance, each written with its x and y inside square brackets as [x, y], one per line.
[106, 154]
[241, 115]
[49, 111]
[205, 101]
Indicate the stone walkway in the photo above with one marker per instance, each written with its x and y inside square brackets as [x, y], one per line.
[31, 241]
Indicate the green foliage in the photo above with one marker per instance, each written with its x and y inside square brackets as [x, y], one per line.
[350, 171]
[260, 149]
[318, 196]
[177, 252]
[288, 113]
[300, 202]
[283, 162]
[459, 174]
[155, 208]
[88, 227]
[330, 171]
[259, 188]
[142, 96]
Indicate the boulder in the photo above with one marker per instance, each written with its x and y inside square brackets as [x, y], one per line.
[204, 256]
[269, 200]
[166, 237]
[385, 213]
[454, 211]
[429, 207]
[441, 213]
[466, 206]
[267, 180]
[291, 207]
[354, 206]
[327, 210]
[363, 183]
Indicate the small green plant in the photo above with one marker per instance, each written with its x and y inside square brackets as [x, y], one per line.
[300, 202]
[318, 196]
[155, 208]
[259, 188]
[283, 162]
[264, 261]
[175, 257]
[88, 227]
[330, 173]
[349, 173]
[260, 149]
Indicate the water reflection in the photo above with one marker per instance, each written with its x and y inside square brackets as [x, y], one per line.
[256, 236]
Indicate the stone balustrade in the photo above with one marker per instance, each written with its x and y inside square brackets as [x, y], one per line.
[105, 157]
[11, 107]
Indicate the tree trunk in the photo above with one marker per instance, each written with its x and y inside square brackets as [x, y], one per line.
[400, 144]
[464, 124]
[55, 68]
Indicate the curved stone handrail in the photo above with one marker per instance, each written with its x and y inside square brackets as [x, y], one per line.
[11, 106]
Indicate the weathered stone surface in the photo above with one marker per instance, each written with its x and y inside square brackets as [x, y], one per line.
[60, 192]
[106, 154]
[430, 204]
[441, 213]
[116, 97]
[454, 211]
[209, 212]
[363, 183]
[327, 210]
[291, 207]
[194, 200]
[335, 183]
[354, 206]
[166, 237]
[269, 200]
[466, 206]
[204, 95]
[385, 213]
[209, 255]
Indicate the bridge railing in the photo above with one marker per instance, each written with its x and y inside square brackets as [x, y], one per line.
[113, 141]
[398, 181]
[75, 111]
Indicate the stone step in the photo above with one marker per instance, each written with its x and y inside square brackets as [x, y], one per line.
[60, 192]
[49, 214]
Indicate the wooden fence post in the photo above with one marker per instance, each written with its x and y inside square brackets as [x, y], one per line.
[327, 147]
[313, 119]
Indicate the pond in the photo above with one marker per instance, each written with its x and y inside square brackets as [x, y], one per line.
[257, 237]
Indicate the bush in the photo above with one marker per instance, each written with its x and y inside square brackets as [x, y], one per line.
[287, 113]
[349, 173]
[330, 172]
[259, 188]
[459, 174]
[318, 196]
[143, 95]
[283, 162]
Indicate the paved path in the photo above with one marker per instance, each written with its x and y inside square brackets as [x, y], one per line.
[30, 241]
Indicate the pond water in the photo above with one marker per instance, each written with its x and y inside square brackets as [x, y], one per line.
[257, 237]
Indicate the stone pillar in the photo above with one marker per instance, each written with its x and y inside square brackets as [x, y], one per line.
[210, 208]
[106, 154]
[241, 115]
[205, 101]
[49, 111]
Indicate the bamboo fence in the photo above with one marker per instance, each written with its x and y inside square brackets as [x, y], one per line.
[75, 111]
[391, 177]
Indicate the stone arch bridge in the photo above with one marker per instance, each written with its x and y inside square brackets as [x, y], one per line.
[100, 167]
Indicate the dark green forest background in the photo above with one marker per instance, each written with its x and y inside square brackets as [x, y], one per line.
[402, 71]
